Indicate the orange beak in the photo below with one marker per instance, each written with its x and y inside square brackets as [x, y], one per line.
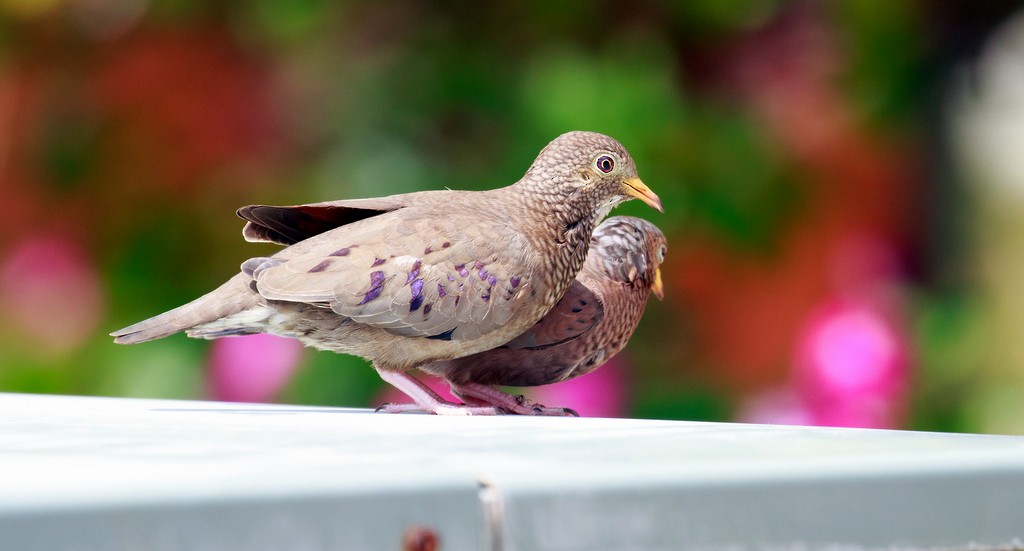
[636, 188]
[657, 287]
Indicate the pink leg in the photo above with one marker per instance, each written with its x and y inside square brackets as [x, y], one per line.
[484, 394]
[427, 400]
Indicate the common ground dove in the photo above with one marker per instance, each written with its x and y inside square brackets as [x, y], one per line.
[409, 279]
[621, 270]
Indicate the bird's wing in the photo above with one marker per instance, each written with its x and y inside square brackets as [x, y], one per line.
[578, 311]
[414, 272]
[288, 225]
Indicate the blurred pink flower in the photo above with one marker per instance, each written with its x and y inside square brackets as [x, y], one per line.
[786, 406]
[851, 348]
[852, 364]
[600, 393]
[781, 406]
[50, 290]
[251, 368]
[869, 412]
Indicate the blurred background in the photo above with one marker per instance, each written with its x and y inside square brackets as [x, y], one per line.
[843, 183]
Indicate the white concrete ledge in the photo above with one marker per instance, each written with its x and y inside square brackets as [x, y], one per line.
[97, 473]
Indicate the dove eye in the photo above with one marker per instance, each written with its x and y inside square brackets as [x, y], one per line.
[661, 254]
[605, 163]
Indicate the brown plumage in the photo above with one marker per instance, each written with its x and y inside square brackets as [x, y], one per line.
[620, 272]
[410, 279]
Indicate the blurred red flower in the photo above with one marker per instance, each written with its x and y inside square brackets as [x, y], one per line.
[186, 103]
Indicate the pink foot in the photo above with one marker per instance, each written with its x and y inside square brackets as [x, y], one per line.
[484, 394]
[427, 401]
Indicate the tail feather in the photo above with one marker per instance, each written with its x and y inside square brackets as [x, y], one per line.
[232, 297]
[204, 333]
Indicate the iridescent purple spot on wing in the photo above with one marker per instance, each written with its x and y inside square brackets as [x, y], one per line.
[482, 274]
[320, 267]
[492, 281]
[514, 280]
[376, 285]
[377, 262]
[486, 298]
[427, 308]
[461, 268]
[417, 295]
[341, 252]
[414, 272]
[427, 251]
[451, 277]
[445, 245]
[441, 290]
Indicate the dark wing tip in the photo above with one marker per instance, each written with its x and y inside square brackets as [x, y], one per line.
[289, 225]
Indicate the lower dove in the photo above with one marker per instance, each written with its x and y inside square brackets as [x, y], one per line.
[621, 271]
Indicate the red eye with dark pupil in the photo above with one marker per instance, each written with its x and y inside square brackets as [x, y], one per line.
[605, 164]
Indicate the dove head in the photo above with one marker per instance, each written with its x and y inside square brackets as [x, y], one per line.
[590, 170]
[629, 250]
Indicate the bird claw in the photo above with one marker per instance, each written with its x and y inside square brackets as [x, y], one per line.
[554, 412]
[391, 407]
[487, 395]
